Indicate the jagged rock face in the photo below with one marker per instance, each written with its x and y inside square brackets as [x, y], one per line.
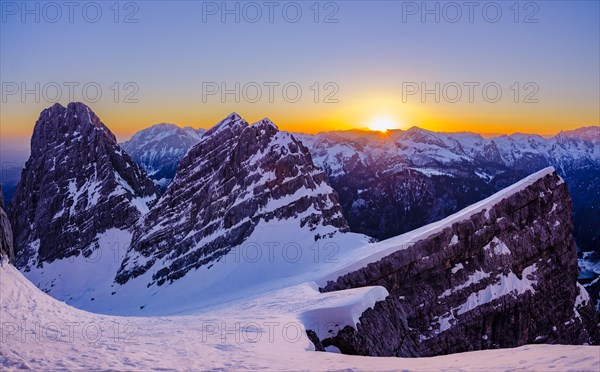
[504, 276]
[6, 235]
[159, 148]
[77, 183]
[236, 177]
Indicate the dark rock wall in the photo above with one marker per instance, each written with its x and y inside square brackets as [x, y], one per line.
[466, 287]
[77, 183]
[6, 235]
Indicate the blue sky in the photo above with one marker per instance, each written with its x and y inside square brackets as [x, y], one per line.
[368, 53]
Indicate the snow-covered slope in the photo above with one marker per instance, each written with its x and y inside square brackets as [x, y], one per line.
[159, 148]
[41, 333]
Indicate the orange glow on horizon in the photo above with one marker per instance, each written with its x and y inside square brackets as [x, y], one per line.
[373, 113]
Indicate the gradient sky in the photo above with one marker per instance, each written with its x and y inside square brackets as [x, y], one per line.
[369, 53]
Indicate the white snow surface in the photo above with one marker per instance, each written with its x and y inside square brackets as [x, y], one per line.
[257, 333]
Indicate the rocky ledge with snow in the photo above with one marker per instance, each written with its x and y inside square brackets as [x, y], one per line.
[501, 273]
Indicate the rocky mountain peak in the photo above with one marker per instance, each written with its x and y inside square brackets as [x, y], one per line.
[77, 183]
[265, 123]
[420, 135]
[591, 134]
[72, 123]
[236, 177]
[233, 122]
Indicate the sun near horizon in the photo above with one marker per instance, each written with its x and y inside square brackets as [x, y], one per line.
[383, 123]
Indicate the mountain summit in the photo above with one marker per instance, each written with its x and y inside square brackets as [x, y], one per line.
[238, 177]
[77, 184]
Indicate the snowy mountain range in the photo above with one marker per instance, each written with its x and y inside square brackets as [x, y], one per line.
[370, 169]
[395, 182]
[424, 176]
[108, 244]
[252, 228]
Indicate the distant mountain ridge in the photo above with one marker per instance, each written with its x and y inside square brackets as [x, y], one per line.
[159, 148]
[355, 161]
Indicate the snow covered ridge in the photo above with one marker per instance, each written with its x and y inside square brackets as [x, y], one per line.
[40, 333]
[479, 279]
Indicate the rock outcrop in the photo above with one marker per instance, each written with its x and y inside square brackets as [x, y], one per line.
[500, 274]
[77, 183]
[236, 177]
[6, 235]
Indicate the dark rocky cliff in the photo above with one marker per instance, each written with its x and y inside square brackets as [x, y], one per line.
[77, 183]
[6, 235]
[503, 276]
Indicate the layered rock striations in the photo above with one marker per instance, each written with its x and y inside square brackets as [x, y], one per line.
[77, 184]
[500, 274]
[236, 177]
